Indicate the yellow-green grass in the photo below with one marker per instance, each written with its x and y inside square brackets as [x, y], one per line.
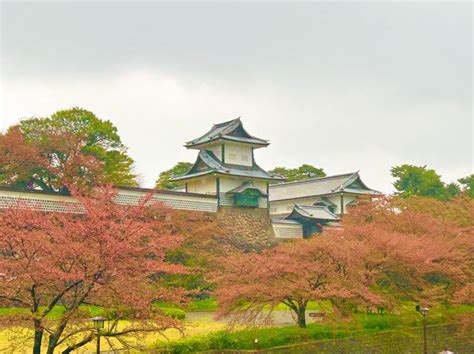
[360, 325]
[205, 325]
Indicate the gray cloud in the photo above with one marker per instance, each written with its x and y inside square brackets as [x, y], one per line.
[343, 85]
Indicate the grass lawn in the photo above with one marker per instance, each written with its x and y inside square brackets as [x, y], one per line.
[360, 325]
[201, 331]
[204, 325]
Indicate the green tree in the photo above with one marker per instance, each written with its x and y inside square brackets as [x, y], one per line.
[164, 182]
[74, 146]
[452, 190]
[421, 181]
[305, 171]
[468, 184]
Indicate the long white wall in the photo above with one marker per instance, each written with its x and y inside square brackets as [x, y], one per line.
[62, 203]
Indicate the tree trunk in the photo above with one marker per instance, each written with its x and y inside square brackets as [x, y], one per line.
[53, 340]
[301, 316]
[38, 338]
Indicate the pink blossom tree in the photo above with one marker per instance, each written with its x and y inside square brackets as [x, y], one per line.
[98, 253]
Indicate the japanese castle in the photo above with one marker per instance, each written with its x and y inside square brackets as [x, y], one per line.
[226, 167]
[226, 175]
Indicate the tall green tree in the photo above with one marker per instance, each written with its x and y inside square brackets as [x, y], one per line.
[305, 171]
[468, 184]
[72, 146]
[421, 181]
[164, 182]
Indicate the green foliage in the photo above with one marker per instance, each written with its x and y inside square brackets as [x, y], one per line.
[164, 182]
[175, 313]
[395, 281]
[438, 278]
[56, 313]
[93, 137]
[380, 322]
[204, 305]
[194, 281]
[420, 181]
[468, 184]
[452, 190]
[299, 173]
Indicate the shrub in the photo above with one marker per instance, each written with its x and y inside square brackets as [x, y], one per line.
[380, 322]
[175, 313]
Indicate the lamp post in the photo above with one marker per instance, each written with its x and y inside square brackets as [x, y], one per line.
[424, 313]
[98, 325]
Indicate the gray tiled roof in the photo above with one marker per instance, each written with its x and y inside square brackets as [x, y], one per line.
[232, 130]
[244, 186]
[313, 212]
[348, 182]
[207, 163]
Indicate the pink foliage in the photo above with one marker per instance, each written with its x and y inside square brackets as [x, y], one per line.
[378, 240]
[97, 253]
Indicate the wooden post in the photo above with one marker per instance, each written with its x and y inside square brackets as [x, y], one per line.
[425, 351]
[342, 203]
[268, 194]
[218, 191]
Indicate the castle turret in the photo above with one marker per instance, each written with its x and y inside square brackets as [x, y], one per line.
[226, 166]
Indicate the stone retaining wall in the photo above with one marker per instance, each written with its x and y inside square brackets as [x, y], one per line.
[246, 228]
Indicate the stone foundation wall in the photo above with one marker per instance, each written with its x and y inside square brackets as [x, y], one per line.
[246, 228]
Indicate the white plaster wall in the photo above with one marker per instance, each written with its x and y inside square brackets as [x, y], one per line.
[262, 185]
[238, 154]
[284, 230]
[285, 206]
[61, 203]
[204, 185]
[228, 183]
[217, 150]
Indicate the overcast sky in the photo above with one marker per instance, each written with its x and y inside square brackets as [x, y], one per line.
[344, 86]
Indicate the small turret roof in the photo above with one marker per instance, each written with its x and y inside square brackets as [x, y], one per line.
[208, 163]
[232, 130]
[312, 212]
[246, 186]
